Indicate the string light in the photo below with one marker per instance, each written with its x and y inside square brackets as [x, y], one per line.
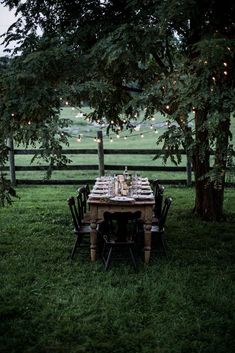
[118, 136]
[225, 64]
[79, 138]
[29, 122]
[156, 131]
[125, 137]
[151, 126]
[205, 62]
[213, 78]
[153, 118]
[225, 73]
[67, 103]
[142, 136]
[111, 139]
[167, 107]
[12, 114]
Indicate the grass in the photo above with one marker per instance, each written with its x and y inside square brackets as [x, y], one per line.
[80, 126]
[180, 304]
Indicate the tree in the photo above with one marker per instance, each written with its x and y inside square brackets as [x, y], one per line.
[122, 56]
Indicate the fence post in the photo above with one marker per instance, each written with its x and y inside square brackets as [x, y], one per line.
[189, 169]
[100, 152]
[11, 157]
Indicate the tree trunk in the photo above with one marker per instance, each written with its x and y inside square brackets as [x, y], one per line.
[209, 191]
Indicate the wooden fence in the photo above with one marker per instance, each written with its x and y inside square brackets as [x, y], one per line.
[100, 167]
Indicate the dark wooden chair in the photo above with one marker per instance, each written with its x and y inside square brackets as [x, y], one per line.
[158, 198]
[80, 229]
[82, 197]
[158, 230]
[119, 231]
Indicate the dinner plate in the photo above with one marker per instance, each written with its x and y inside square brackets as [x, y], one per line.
[101, 192]
[122, 198]
[144, 197]
[98, 196]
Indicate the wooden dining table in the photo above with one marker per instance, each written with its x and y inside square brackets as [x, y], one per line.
[116, 194]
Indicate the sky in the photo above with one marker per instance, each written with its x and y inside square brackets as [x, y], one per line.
[6, 19]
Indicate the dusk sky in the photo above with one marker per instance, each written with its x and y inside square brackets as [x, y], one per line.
[6, 19]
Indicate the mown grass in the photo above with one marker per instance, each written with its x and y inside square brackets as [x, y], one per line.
[179, 304]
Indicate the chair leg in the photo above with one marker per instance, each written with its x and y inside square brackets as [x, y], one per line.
[77, 242]
[107, 262]
[133, 257]
[164, 245]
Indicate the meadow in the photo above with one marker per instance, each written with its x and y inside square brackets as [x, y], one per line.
[181, 303]
[88, 131]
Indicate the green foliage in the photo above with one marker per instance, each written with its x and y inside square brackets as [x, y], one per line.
[7, 192]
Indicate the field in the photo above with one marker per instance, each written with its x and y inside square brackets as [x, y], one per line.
[88, 132]
[177, 304]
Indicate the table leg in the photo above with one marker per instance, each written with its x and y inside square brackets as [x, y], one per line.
[93, 240]
[147, 242]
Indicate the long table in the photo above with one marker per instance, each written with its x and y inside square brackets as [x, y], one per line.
[112, 195]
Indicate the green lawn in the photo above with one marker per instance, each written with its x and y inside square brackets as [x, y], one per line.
[180, 304]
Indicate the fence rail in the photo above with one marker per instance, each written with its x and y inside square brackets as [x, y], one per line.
[100, 167]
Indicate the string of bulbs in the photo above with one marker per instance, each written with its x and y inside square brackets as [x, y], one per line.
[153, 127]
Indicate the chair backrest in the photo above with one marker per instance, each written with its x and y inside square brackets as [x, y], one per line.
[74, 212]
[121, 226]
[80, 204]
[82, 196]
[158, 198]
[162, 219]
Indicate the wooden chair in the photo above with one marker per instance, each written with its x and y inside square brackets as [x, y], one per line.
[82, 197]
[158, 230]
[158, 198]
[80, 229]
[119, 232]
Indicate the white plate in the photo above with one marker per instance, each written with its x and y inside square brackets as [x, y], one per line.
[101, 192]
[144, 197]
[98, 196]
[122, 198]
